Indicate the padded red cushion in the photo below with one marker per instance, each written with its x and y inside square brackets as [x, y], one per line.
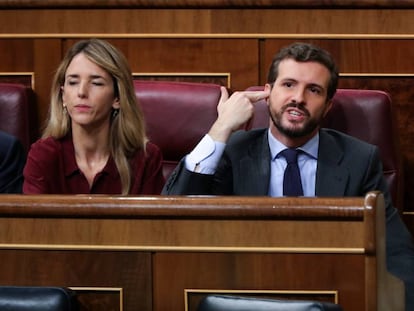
[18, 113]
[178, 115]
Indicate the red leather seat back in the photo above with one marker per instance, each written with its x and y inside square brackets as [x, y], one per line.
[364, 114]
[177, 114]
[261, 113]
[368, 115]
[18, 113]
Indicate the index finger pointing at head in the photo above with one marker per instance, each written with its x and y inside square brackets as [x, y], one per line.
[255, 96]
[224, 94]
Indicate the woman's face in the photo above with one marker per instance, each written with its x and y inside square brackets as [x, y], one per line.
[88, 93]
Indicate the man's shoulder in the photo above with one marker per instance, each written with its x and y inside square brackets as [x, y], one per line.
[243, 136]
[7, 140]
[10, 145]
[343, 139]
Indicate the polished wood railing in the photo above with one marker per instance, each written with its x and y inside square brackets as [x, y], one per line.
[166, 253]
[207, 3]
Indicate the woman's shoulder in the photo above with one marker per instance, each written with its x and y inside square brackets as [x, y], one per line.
[46, 147]
[152, 153]
[152, 148]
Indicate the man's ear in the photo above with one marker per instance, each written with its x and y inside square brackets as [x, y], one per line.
[268, 88]
[328, 107]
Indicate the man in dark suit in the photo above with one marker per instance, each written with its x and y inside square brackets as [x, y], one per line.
[12, 160]
[302, 81]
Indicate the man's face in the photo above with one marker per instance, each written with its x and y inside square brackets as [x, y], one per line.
[298, 100]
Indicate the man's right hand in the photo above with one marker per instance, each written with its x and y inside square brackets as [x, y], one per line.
[233, 112]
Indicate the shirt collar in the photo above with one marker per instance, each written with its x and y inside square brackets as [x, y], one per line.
[69, 160]
[310, 147]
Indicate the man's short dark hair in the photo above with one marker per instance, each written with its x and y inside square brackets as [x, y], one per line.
[305, 52]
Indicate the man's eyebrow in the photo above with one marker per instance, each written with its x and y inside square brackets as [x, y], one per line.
[317, 85]
[288, 79]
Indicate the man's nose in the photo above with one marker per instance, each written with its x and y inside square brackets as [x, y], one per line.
[299, 96]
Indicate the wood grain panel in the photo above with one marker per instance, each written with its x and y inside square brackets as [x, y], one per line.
[217, 272]
[207, 22]
[368, 56]
[193, 235]
[16, 55]
[46, 57]
[129, 271]
[156, 248]
[40, 57]
[99, 298]
[24, 78]
[203, 4]
[145, 229]
[238, 58]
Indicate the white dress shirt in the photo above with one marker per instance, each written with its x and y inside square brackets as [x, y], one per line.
[206, 156]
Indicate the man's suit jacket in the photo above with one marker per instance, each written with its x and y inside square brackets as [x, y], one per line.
[12, 161]
[346, 167]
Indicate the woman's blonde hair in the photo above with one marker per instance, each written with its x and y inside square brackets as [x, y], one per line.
[127, 132]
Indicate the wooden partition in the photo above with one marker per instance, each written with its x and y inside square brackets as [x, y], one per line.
[230, 42]
[166, 253]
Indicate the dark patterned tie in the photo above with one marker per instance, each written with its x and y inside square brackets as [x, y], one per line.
[292, 185]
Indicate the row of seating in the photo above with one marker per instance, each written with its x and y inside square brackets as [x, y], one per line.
[178, 114]
[23, 298]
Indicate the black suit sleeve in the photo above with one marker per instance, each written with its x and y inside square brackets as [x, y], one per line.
[12, 161]
[185, 182]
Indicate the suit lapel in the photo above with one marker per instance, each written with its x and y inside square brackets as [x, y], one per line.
[331, 177]
[255, 168]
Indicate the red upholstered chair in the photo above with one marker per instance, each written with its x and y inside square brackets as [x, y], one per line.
[367, 115]
[18, 113]
[178, 115]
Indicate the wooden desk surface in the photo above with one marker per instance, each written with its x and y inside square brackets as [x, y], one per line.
[146, 253]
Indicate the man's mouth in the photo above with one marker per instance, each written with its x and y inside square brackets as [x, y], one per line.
[294, 113]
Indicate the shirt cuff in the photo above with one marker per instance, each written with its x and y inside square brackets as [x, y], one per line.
[205, 156]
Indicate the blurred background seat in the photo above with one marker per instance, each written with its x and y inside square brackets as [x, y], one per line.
[177, 114]
[18, 114]
[237, 303]
[37, 298]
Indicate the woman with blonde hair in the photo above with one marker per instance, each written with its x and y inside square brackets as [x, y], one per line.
[94, 140]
